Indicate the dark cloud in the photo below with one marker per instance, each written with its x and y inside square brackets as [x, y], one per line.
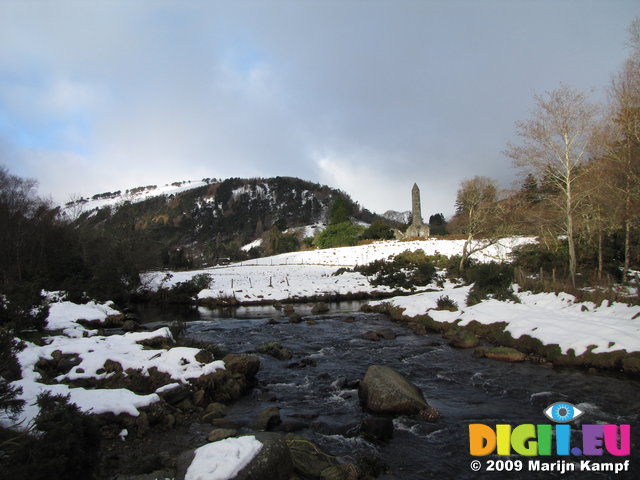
[367, 96]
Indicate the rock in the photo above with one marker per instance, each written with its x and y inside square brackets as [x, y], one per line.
[371, 335]
[377, 429]
[198, 397]
[295, 318]
[503, 354]
[176, 395]
[312, 322]
[319, 308]
[129, 325]
[309, 461]
[275, 350]
[221, 433]
[386, 333]
[385, 390]
[288, 309]
[223, 423]
[267, 419]
[245, 365]
[273, 462]
[214, 410]
[111, 366]
[464, 338]
[349, 319]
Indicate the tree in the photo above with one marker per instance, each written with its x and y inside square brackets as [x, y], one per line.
[620, 140]
[437, 224]
[477, 214]
[555, 144]
[338, 212]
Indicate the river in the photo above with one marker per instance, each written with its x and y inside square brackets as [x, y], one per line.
[317, 388]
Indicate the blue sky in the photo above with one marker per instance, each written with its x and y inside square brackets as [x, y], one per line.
[366, 96]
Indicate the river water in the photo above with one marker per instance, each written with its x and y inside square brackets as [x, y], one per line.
[316, 390]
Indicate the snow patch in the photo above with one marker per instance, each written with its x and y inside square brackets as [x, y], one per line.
[223, 460]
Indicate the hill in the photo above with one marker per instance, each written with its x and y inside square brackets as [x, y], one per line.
[200, 223]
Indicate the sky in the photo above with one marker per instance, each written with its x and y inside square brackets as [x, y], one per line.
[365, 96]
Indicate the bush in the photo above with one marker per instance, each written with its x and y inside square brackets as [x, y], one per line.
[406, 270]
[339, 235]
[490, 280]
[445, 303]
[9, 371]
[183, 292]
[24, 308]
[378, 230]
[65, 444]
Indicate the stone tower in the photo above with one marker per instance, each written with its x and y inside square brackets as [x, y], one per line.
[416, 211]
[417, 228]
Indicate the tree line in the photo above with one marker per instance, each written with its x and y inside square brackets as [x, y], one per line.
[581, 178]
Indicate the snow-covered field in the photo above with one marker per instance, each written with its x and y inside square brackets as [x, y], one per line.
[310, 273]
[93, 351]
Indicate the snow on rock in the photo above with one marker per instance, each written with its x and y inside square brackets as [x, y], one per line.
[64, 315]
[92, 352]
[223, 460]
[552, 319]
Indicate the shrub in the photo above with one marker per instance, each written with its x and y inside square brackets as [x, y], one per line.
[490, 280]
[406, 270]
[23, 309]
[9, 371]
[445, 303]
[378, 230]
[65, 444]
[339, 235]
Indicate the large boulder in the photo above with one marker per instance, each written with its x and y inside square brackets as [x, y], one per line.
[385, 390]
[273, 461]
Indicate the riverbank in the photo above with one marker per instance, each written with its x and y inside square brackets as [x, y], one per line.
[546, 327]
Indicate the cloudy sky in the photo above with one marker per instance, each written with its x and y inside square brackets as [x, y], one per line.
[366, 96]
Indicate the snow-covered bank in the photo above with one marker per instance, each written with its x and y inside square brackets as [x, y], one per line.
[308, 274]
[90, 353]
[550, 318]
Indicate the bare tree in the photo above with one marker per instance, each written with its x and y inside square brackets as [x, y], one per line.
[620, 140]
[554, 145]
[477, 215]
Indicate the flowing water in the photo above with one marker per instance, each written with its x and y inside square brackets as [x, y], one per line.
[316, 390]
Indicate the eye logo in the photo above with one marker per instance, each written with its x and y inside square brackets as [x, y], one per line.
[562, 412]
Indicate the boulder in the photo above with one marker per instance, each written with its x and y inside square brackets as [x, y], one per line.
[385, 390]
[377, 429]
[464, 339]
[214, 410]
[386, 333]
[273, 462]
[503, 354]
[267, 419]
[319, 308]
[221, 433]
[275, 350]
[309, 461]
[371, 335]
[245, 365]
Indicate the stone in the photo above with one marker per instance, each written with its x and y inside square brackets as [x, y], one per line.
[371, 335]
[295, 318]
[221, 433]
[377, 429]
[464, 339]
[129, 325]
[319, 308]
[267, 419]
[273, 462]
[385, 390]
[503, 354]
[309, 461]
[386, 333]
[275, 350]
[245, 365]
[214, 410]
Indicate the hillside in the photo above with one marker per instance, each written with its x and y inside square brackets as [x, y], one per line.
[199, 223]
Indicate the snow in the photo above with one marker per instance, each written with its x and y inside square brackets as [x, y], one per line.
[552, 319]
[160, 190]
[93, 351]
[255, 244]
[310, 273]
[223, 460]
